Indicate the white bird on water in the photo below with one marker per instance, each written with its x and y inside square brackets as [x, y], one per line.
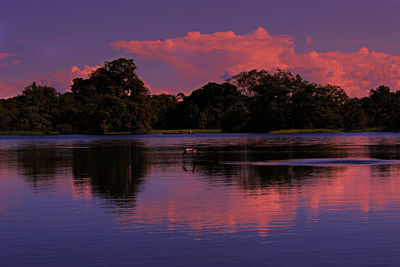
[189, 149]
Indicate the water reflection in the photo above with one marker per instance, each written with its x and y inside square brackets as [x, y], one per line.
[265, 197]
[112, 194]
[111, 170]
[39, 164]
[241, 163]
[269, 198]
[235, 164]
[117, 169]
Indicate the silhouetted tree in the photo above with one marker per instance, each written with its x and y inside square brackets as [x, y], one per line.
[113, 98]
[212, 107]
[37, 107]
[383, 108]
[162, 107]
[355, 116]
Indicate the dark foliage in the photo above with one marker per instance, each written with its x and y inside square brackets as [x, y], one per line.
[114, 99]
[214, 106]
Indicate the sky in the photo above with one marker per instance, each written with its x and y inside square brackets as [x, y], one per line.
[180, 45]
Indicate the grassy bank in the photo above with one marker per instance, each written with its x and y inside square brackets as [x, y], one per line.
[366, 130]
[29, 132]
[186, 131]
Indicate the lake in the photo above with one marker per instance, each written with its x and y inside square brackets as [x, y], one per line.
[240, 200]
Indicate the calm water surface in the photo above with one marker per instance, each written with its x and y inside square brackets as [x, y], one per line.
[241, 200]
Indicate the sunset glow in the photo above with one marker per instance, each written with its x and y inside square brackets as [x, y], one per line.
[355, 53]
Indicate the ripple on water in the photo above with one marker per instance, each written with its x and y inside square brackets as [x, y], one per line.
[323, 162]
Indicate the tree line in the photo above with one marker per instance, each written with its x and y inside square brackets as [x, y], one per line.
[114, 99]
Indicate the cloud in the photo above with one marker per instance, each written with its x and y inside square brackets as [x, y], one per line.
[84, 72]
[5, 56]
[59, 79]
[11, 62]
[6, 90]
[198, 58]
[309, 43]
[10, 88]
[357, 72]
[195, 52]
[62, 80]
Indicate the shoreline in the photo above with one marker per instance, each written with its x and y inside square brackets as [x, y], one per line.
[187, 131]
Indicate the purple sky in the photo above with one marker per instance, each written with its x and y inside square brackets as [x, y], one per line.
[351, 43]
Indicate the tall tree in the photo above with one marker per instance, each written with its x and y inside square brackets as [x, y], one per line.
[269, 98]
[213, 107]
[37, 107]
[383, 108]
[113, 98]
[162, 110]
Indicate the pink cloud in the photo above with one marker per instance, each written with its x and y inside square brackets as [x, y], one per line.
[11, 62]
[194, 52]
[5, 56]
[10, 88]
[6, 90]
[60, 79]
[84, 72]
[309, 41]
[198, 58]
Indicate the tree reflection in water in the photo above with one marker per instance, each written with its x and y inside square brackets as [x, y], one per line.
[213, 163]
[113, 170]
[40, 163]
[226, 164]
[216, 190]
